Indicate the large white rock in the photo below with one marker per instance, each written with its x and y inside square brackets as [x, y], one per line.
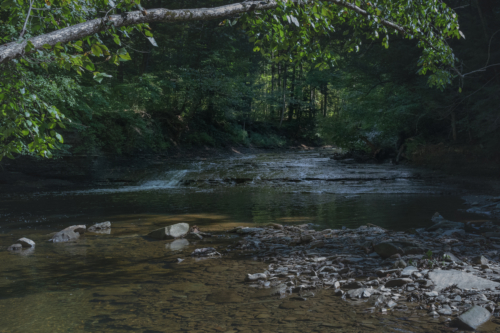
[172, 231]
[26, 242]
[69, 234]
[443, 279]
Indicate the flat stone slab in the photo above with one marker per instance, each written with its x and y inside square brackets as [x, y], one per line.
[473, 318]
[26, 242]
[443, 279]
[172, 231]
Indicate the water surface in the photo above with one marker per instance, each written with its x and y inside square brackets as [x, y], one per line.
[122, 281]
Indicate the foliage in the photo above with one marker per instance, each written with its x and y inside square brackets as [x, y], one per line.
[27, 122]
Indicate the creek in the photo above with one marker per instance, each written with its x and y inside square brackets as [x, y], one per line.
[123, 281]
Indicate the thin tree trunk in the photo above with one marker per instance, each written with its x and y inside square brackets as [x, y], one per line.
[273, 69]
[454, 126]
[284, 96]
[291, 107]
[325, 100]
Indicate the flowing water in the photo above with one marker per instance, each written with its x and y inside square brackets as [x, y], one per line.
[122, 281]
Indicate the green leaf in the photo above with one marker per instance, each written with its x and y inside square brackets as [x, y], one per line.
[96, 50]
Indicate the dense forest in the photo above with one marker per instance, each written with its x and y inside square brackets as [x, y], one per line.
[207, 83]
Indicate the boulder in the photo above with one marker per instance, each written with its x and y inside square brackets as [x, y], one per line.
[26, 242]
[69, 234]
[443, 279]
[397, 282]
[473, 318]
[100, 226]
[172, 231]
[15, 248]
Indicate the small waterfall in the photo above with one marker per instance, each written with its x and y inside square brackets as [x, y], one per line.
[170, 179]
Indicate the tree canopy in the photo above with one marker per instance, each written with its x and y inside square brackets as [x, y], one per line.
[84, 35]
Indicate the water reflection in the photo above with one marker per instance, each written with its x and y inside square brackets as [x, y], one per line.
[177, 244]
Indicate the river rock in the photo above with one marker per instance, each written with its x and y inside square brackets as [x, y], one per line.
[450, 257]
[397, 282]
[387, 249]
[480, 260]
[377, 300]
[69, 234]
[399, 264]
[26, 242]
[194, 235]
[205, 252]
[100, 226]
[408, 271]
[360, 293]
[473, 318]
[15, 248]
[255, 277]
[463, 280]
[172, 231]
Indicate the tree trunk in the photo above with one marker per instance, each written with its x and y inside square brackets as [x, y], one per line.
[454, 126]
[325, 99]
[284, 96]
[291, 107]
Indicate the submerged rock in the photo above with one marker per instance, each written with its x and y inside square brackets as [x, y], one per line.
[205, 252]
[445, 278]
[69, 234]
[100, 226]
[26, 242]
[172, 231]
[473, 318]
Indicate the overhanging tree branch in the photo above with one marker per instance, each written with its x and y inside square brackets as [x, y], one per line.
[14, 50]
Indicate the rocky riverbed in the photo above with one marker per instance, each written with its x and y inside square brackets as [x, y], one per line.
[443, 270]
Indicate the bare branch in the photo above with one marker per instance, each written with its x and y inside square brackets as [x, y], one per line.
[26, 21]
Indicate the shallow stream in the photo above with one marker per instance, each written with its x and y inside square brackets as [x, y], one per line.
[122, 281]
